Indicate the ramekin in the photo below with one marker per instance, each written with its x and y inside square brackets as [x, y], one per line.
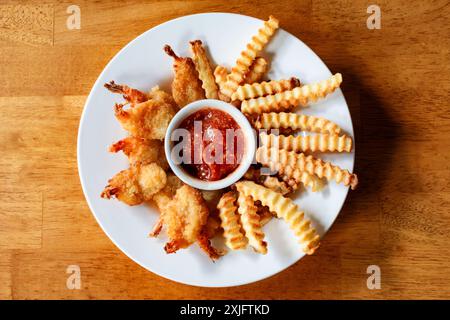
[249, 149]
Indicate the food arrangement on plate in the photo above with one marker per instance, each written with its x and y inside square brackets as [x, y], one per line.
[284, 164]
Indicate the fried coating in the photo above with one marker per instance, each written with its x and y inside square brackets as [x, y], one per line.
[286, 209]
[148, 120]
[186, 85]
[141, 151]
[184, 218]
[287, 100]
[165, 195]
[161, 97]
[246, 58]
[319, 142]
[162, 198]
[257, 71]
[136, 184]
[204, 69]
[131, 95]
[294, 121]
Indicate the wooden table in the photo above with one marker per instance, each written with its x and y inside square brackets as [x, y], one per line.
[396, 84]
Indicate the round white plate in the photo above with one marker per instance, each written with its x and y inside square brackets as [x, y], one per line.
[143, 64]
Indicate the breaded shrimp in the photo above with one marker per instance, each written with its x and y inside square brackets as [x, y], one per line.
[148, 120]
[136, 184]
[131, 95]
[184, 218]
[186, 85]
[141, 151]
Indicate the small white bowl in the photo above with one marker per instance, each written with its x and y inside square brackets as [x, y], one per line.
[249, 149]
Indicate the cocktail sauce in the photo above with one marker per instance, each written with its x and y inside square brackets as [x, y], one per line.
[216, 144]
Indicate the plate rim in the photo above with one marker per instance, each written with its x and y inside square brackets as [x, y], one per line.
[83, 182]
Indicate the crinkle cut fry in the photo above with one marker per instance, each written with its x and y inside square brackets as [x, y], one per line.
[254, 90]
[220, 76]
[318, 142]
[250, 221]
[247, 56]
[286, 209]
[291, 175]
[234, 238]
[204, 69]
[294, 121]
[283, 160]
[257, 70]
[287, 100]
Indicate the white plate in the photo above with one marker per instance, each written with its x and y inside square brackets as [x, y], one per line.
[143, 64]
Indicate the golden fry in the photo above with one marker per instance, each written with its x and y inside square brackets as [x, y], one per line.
[287, 100]
[234, 238]
[204, 69]
[319, 142]
[243, 63]
[289, 162]
[186, 85]
[254, 90]
[286, 209]
[251, 224]
[294, 121]
[257, 71]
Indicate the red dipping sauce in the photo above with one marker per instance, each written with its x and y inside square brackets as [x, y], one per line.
[215, 144]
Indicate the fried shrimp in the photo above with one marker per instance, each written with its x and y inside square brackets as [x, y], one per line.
[148, 120]
[184, 218]
[136, 184]
[141, 151]
[131, 95]
[162, 198]
[186, 85]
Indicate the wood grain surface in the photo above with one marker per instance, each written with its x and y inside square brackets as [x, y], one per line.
[396, 84]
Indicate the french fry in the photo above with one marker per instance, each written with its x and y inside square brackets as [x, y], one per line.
[251, 224]
[290, 163]
[257, 71]
[318, 142]
[234, 238]
[254, 90]
[204, 69]
[220, 76]
[265, 215]
[247, 56]
[284, 120]
[276, 185]
[286, 209]
[287, 100]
